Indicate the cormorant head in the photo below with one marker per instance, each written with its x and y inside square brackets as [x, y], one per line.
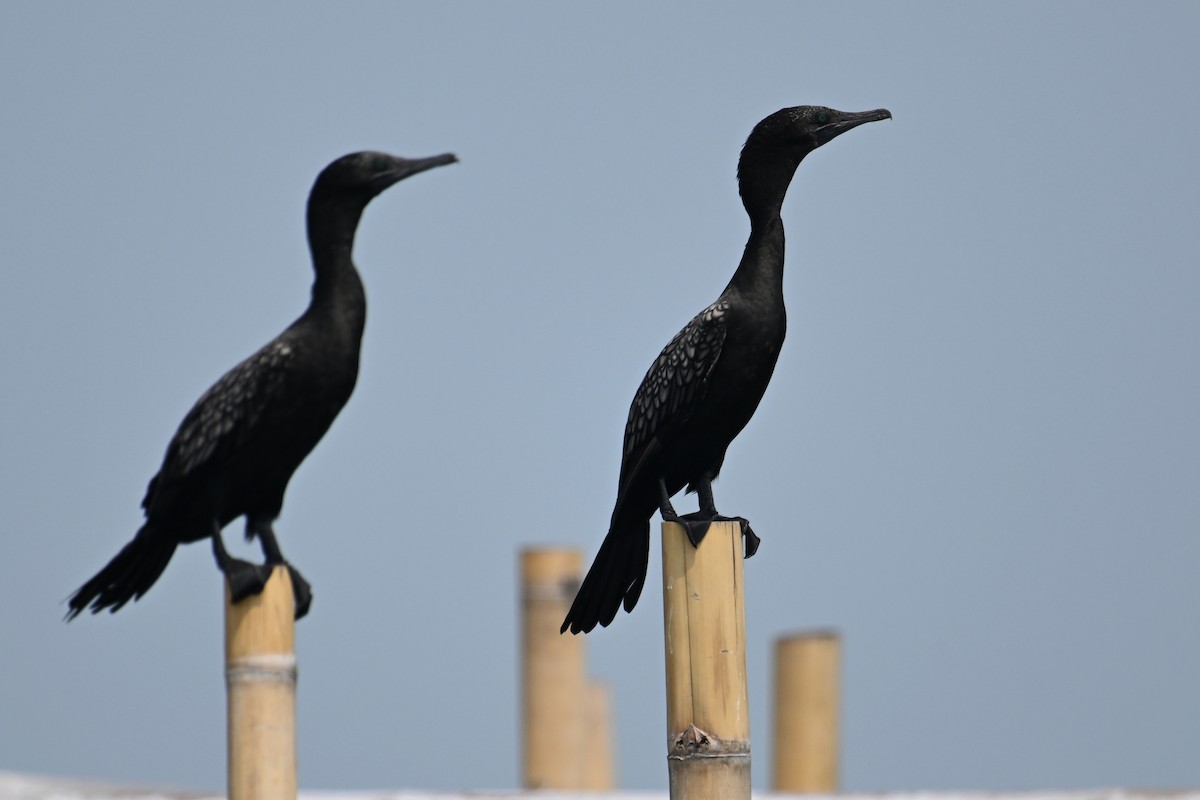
[779, 143]
[343, 189]
[801, 129]
[366, 174]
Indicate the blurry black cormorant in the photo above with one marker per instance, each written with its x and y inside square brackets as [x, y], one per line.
[705, 385]
[239, 445]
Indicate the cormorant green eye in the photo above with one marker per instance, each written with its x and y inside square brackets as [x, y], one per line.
[379, 164]
[822, 117]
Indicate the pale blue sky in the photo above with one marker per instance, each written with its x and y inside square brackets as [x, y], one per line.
[979, 457]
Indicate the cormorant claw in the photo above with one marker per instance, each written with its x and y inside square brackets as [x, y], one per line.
[751, 538]
[301, 591]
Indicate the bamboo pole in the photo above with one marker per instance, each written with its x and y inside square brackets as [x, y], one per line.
[553, 683]
[704, 620]
[260, 679]
[598, 767]
[807, 668]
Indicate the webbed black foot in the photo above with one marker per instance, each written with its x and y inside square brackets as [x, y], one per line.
[262, 528]
[696, 526]
[698, 522]
[245, 579]
[301, 591]
[750, 538]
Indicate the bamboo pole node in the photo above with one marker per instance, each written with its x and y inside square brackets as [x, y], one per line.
[273, 667]
[692, 740]
[695, 743]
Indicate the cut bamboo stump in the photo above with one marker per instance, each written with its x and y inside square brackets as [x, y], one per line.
[260, 679]
[807, 668]
[704, 620]
[554, 685]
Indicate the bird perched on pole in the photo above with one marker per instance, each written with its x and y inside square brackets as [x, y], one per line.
[236, 450]
[705, 385]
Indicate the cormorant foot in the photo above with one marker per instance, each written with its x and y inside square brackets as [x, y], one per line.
[696, 525]
[751, 538]
[245, 579]
[301, 591]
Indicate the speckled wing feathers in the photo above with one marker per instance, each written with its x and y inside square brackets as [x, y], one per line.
[224, 415]
[677, 380]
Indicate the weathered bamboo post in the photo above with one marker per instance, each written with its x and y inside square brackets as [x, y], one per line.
[807, 667]
[598, 759]
[260, 679]
[704, 620]
[552, 671]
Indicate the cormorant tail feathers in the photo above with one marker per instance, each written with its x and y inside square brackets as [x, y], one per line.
[127, 577]
[616, 578]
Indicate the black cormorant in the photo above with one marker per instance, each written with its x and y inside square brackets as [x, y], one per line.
[239, 445]
[705, 385]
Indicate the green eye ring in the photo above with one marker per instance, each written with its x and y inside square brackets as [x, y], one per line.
[379, 164]
[822, 117]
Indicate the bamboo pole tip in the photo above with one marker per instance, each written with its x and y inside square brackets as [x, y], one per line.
[809, 635]
[262, 623]
[550, 564]
[728, 525]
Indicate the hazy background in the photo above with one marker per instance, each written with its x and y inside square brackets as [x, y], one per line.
[979, 458]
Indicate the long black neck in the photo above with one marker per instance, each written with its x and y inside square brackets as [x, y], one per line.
[763, 184]
[337, 290]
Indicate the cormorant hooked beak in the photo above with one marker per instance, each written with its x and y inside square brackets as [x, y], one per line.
[845, 120]
[406, 167]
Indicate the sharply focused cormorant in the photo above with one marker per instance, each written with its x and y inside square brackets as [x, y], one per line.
[239, 445]
[704, 386]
